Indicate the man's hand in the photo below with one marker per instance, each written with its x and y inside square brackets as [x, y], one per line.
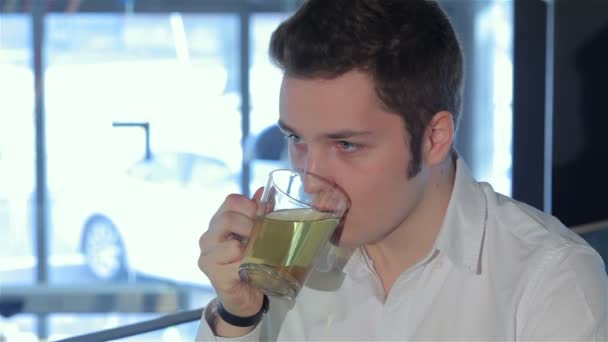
[222, 249]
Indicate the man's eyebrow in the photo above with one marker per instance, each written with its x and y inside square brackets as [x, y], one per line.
[343, 134]
[284, 127]
[347, 133]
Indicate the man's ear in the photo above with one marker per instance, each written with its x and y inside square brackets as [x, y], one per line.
[438, 138]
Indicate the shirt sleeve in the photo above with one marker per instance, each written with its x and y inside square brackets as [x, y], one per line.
[205, 333]
[568, 300]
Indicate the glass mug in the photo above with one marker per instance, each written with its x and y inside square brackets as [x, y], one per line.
[296, 217]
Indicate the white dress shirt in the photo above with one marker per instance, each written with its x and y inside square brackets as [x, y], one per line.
[499, 270]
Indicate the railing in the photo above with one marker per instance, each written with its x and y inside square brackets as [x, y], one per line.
[116, 298]
[49, 299]
[125, 298]
[590, 227]
[139, 328]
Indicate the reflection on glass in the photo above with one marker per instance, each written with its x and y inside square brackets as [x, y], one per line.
[494, 28]
[117, 215]
[266, 148]
[17, 263]
[116, 86]
[18, 328]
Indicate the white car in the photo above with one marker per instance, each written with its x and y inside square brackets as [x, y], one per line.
[146, 219]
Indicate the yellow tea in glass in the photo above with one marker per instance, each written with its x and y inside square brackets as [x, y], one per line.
[297, 214]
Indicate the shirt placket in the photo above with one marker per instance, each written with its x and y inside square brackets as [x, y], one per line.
[396, 310]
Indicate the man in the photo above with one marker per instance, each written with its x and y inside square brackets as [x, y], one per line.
[370, 100]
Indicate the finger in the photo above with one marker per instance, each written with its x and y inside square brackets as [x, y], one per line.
[224, 253]
[257, 196]
[239, 203]
[233, 202]
[230, 278]
[229, 223]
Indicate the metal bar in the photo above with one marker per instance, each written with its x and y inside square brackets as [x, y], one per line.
[139, 328]
[40, 195]
[40, 192]
[468, 133]
[548, 142]
[245, 20]
[590, 227]
[146, 127]
[130, 124]
[211, 6]
[529, 112]
[90, 299]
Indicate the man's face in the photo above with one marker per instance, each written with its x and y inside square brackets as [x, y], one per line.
[338, 129]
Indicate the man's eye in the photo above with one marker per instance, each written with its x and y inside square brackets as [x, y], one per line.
[347, 146]
[293, 138]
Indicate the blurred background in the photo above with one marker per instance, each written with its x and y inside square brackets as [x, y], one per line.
[125, 123]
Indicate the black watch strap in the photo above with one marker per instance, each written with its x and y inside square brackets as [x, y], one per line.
[243, 321]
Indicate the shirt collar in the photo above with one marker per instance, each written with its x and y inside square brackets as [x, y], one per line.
[461, 235]
[462, 232]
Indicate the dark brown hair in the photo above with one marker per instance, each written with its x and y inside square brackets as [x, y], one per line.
[409, 48]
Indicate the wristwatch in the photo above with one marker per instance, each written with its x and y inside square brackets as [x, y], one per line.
[240, 321]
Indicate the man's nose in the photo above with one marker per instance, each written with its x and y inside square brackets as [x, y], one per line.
[316, 163]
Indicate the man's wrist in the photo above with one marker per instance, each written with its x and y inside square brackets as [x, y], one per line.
[241, 321]
[221, 328]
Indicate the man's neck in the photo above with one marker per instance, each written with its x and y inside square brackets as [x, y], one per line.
[414, 238]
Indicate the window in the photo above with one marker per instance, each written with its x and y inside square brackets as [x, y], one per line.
[144, 117]
[16, 151]
[169, 72]
[267, 147]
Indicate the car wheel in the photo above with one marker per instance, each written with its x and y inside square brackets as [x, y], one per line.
[103, 249]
